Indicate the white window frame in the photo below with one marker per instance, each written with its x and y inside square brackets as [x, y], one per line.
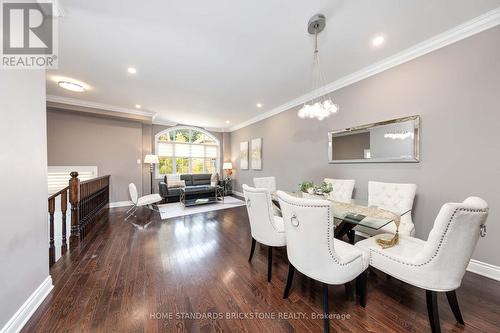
[191, 128]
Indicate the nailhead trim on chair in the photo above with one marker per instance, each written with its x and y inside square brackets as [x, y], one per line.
[441, 241]
[332, 254]
[269, 210]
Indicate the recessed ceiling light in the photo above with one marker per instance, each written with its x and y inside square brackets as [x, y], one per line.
[132, 70]
[227, 122]
[378, 40]
[138, 106]
[71, 86]
[259, 105]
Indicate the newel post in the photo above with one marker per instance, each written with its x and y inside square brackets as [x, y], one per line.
[74, 200]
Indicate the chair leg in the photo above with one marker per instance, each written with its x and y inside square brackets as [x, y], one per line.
[361, 288]
[349, 291]
[452, 300]
[351, 234]
[289, 280]
[252, 249]
[432, 310]
[132, 212]
[269, 262]
[326, 311]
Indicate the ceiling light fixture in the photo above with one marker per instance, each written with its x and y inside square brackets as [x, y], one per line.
[132, 70]
[322, 106]
[378, 40]
[138, 106]
[228, 122]
[259, 105]
[71, 86]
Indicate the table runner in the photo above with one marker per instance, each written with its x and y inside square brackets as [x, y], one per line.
[370, 211]
[376, 213]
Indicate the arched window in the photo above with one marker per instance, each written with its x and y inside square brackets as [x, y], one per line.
[183, 149]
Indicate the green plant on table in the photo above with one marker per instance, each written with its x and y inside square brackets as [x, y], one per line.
[306, 185]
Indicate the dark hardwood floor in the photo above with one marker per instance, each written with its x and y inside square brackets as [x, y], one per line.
[184, 274]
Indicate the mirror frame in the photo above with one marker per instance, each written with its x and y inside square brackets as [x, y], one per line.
[359, 129]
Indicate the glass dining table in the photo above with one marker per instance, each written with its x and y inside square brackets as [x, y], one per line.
[350, 215]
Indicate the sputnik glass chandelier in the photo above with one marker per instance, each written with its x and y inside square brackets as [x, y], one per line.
[321, 106]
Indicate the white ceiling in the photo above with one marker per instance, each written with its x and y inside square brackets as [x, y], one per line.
[204, 62]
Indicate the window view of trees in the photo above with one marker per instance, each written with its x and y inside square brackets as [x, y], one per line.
[186, 150]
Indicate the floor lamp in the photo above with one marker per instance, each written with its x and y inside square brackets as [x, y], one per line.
[152, 160]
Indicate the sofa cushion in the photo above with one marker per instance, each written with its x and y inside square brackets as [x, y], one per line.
[174, 192]
[188, 179]
[202, 179]
[199, 189]
[176, 184]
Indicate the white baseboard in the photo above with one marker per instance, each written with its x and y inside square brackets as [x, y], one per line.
[24, 313]
[484, 269]
[120, 204]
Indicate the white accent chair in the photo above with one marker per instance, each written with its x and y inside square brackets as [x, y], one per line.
[147, 200]
[397, 198]
[313, 250]
[438, 264]
[342, 189]
[266, 228]
[265, 182]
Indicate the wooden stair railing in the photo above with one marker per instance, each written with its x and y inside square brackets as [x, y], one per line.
[87, 199]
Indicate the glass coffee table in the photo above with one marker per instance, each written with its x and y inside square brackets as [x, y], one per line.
[192, 196]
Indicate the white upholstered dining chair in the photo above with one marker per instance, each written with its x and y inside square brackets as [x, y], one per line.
[342, 189]
[266, 228]
[438, 264]
[313, 250]
[265, 182]
[397, 198]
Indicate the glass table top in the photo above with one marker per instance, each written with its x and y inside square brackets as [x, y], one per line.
[344, 212]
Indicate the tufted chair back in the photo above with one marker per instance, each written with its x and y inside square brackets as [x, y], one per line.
[134, 196]
[451, 242]
[311, 246]
[265, 182]
[342, 189]
[260, 214]
[394, 197]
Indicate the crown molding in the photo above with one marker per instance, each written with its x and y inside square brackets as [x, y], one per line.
[163, 122]
[217, 129]
[157, 121]
[99, 106]
[462, 31]
[59, 102]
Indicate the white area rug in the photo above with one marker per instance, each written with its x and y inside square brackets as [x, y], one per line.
[175, 209]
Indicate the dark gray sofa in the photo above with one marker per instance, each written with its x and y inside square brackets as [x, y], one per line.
[199, 184]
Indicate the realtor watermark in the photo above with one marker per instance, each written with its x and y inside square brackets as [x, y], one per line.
[29, 34]
[246, 316]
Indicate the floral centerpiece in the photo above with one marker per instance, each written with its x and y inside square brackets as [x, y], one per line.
[310, 188]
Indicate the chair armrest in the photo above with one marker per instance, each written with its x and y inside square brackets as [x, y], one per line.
[163, 189]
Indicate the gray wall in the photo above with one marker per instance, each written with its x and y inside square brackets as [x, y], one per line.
[23, 200]
[456, 91]
[113, 145]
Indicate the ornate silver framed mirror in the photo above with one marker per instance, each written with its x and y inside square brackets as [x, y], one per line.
[396, 140]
